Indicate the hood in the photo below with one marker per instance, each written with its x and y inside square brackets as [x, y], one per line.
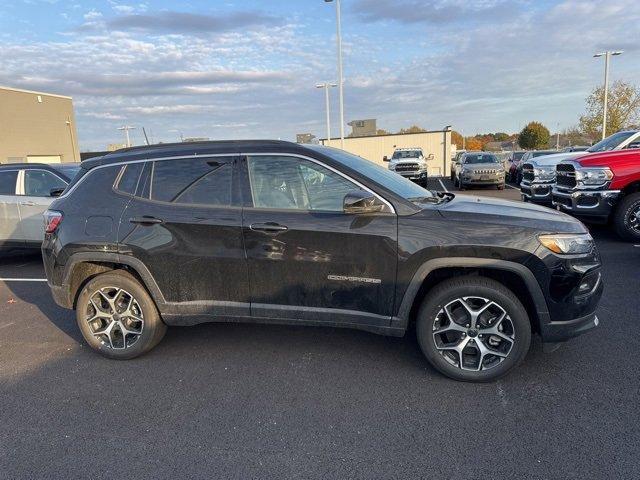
[553, 159]
[610, 158]
[485, 210]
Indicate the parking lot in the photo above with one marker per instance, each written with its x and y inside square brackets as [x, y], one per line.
[254, 401]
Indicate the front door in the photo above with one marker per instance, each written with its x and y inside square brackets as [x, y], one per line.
[184, 224]
[308, 260]
[35, 198]
[10, 231]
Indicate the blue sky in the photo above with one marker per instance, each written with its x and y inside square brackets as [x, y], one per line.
[247, 69]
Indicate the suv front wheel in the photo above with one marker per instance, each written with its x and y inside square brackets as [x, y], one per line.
[473, 329]
[626, 219]
[117, 317]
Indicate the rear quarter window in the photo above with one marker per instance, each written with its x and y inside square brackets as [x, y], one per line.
[8, 182]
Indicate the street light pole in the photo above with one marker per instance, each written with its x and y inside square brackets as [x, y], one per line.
[340, 77]
[326, 87]
[607, 55]
[126, 129]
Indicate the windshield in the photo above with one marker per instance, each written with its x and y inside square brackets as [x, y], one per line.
[69, 171]
[479, 158]
[400, 154]
[388, 179]
[611, 142]
[518, 155]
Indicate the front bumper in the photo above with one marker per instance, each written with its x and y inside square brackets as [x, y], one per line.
[414, 175]
[482, 179]
[536, 192]
[597, 204]
[556, 332]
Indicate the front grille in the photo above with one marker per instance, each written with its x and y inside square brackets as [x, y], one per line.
[407, 167]
[527, 172]
[487, 171]
[565, 175]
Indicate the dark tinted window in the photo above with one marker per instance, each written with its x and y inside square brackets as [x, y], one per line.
[294, 183]
[129, 178]
[8, 183]
[39, 183]
[192, 181]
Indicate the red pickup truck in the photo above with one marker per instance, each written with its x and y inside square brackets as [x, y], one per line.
[602, 187]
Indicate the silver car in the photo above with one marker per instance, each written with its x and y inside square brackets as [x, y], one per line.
[26, 190]
[479, 168]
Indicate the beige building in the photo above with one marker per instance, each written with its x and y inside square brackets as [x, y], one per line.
[37, 127]
[376, 147]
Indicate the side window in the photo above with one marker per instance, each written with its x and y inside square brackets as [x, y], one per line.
[8, 182]
[206, 181]
[39, 183]
[297, 184]
[128, 180]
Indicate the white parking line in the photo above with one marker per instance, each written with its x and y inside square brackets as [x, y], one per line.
[636, 245]
[445, 188]
[511, 186]
[23, 279]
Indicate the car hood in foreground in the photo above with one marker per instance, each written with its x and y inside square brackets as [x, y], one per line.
[492, 210]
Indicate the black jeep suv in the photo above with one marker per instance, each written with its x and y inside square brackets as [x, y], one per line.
[269, 231]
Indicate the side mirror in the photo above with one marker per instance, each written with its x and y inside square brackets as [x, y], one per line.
[385, 159]
[359, 201]
[56, 192]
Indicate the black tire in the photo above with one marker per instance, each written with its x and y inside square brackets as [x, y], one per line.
[626, 214]
[152, 328]
[473, 287]
[500, 187]
[455, 182]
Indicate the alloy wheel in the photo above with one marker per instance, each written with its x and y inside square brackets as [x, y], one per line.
[473, 333]
[633, 219]
[114, 317]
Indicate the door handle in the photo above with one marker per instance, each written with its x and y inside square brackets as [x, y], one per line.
[144, 220]
[268, 227]
[28, 204]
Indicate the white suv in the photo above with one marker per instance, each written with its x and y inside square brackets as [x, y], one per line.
[26, 190]
[410, 163]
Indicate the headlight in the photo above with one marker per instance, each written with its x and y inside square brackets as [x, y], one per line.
[593, 176]
[544, 173]
[567, 244]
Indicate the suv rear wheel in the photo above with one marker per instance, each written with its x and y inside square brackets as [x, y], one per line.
[117, 317]
[473, 329]
[626, 219]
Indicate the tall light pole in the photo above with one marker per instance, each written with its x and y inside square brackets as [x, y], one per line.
[326, 87]
[126, 129]
[607, 55]
[340, 77]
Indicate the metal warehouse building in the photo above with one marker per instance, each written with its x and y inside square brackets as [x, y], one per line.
[376, 147]
[37, 127]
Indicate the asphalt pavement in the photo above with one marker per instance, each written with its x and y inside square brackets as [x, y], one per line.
[258, 401]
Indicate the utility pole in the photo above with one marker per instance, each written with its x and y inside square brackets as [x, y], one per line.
[340, 76]
[607, 55]
[326, 87]
[126, 129]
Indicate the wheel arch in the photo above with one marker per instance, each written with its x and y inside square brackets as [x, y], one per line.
[633, 187]
[516, 277]
[82, 267]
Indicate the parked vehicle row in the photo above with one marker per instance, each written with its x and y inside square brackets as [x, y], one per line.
[270, 231]
[597, 197]
[26, 190]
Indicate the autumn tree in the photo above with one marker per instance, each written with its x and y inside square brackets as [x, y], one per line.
[412, 129]
[534, 136]
[474, 144]
[623, 110]
[456, 139]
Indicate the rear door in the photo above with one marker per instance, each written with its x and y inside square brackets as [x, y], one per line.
[9, 216]
[184, 223]
[308, 260]
[35, 186]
